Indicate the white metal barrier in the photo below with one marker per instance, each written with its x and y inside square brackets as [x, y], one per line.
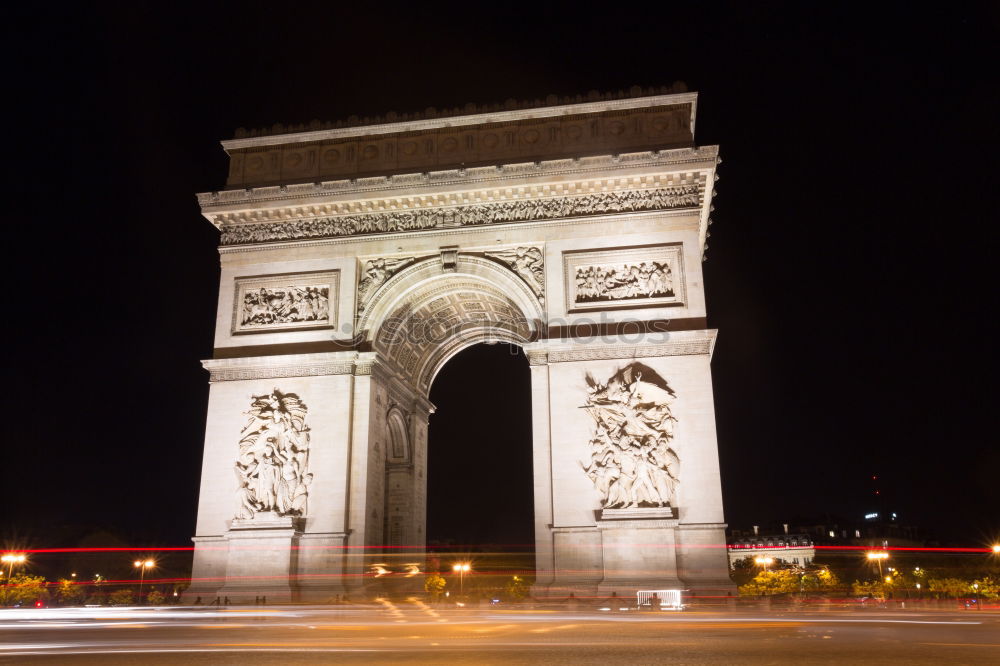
[666, 599]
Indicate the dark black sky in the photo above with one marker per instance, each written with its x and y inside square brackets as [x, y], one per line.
[849, 272]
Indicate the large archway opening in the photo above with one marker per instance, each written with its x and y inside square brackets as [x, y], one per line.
[479, 472]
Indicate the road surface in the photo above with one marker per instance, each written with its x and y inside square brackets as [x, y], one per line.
[413, 633]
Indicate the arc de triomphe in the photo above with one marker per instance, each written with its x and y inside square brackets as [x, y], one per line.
[358, 258]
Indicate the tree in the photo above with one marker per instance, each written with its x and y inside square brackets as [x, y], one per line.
[743, 571]
[25, 589]
[122, 597]
[769, 583]
[874, 589]
[434, 585]
[516, 588]
[155, 597]
[70, 592]
[820, 580]
[950, 587]
[988, 588]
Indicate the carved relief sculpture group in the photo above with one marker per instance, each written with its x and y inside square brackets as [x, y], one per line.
[632, 462]
[598, 203]
[284, 305]
[649, 279]
[274, 456]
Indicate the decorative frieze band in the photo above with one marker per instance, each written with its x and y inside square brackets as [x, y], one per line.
[610, 352]
[234, 374]
[504, 212]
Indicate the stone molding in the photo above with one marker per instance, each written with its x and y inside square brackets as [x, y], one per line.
[636, 513]
[537, 357]
[217, 205]
[612, 352]
[638, 524]
[277, 367]
[504, 212]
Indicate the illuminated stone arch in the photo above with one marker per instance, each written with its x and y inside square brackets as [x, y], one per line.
[351, 282]
[425, 314]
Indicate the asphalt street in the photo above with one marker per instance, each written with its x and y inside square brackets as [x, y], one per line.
[410, 632]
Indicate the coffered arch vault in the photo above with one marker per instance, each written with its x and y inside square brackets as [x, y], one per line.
[431, 310]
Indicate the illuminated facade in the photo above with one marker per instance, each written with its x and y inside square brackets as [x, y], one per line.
[357, 259]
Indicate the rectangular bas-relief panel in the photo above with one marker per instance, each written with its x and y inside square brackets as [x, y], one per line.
[295, 301]
[617, 278]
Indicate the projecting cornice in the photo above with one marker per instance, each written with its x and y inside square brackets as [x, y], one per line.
[293, 365]
[637, 182]
[214, 204]
[613, 347]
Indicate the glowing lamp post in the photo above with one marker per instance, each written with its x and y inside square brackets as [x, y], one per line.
[142, 565]
[996, 549]
[461, 570]
[764, 561]
[10, 559]
[878, 557]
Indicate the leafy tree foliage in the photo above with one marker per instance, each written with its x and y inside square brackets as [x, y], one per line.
[950, 587]
[872, 588]
[70, 592]
[122, 597]
[989, 588]
[516, 588]
[434, 585]
[819, 580]
[155, 597]
[771, 582]
[25, 589]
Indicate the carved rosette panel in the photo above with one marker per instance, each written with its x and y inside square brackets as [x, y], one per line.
[632, 462]
[528, 263]
[263, 304]
[599, 203]
[272, 464]
[650, 276]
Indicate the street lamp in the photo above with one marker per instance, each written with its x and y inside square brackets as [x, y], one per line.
[764, 561]
[878, 557]
[142, 565]
[461, 569]
[996, 549]
[10, 559]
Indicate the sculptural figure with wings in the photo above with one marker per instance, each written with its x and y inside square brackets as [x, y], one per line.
[632, 462]
[527, 263]
[273, 456]
[376, 273]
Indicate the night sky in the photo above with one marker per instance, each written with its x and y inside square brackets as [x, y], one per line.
[849, 272]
